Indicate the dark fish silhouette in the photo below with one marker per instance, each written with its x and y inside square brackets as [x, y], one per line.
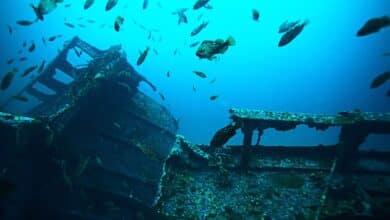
[22, 59]
[199, 4]
[200, 74]
[69, 25]
[52, 38]
[7, 79]
[24, 22]
[10, 61]
[291, 34]
[286, 26]
[213, 81]
[88, 4]
[182, 16]
[142, 56]
[44, 7]
[118, 23]
[78, 53]
[155, 51]
[145, 4]
[161, 96]
[199, 28]
[111, 4]
[32, 47]
[9, 29]
[29, 70]
[213, 97]
[44, 41]
[168, 74]
[194, 44]
[208, 49]
[373, 25]
[380, 80]
[255, 14]
[386, 54]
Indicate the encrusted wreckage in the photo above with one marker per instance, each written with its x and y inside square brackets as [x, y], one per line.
[98, 148]
[92, 149]
[252, 181]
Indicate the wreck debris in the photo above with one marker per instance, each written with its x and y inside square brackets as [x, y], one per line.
[71, 124]
[222, 136]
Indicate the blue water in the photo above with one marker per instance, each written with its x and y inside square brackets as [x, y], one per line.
[326, 69]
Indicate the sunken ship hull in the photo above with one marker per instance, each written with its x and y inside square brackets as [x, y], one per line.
[92, 150]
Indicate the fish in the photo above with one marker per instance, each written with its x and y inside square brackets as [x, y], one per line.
[45, 7]
[199, 4]
[142, 56]
[7, 79]
[255, 14]
[82, 25]
[182, 16]
[208, 49]
[44, 41]
[199, 28]
[213, 97]
[88, 4]
[380, 80]
[168, 74]
[213, 80]
[91, 21]
[155, 51]
[32, 47]
[78, 53]
[200, 74]
[9, 29]
[42, 66]
[52, 38]
[161, 96]
[24, 44]
[373, 25]
[67, 5]
[145, 4]
[111, 4]
[118, 23]
[386, 54]
[175, 51]
[20, 51]
[29, 70]
[193, 88]
[20, 98]
[10, 61]
[291, 34]
[24, 22]
[194, 44]
[286, 26]
[69, 25]
[21, 59]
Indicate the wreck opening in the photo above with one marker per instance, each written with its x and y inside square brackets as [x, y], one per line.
[376, 142]
[291, 138]
[63, 77]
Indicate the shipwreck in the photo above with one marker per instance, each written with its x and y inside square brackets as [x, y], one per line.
[98, 148]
